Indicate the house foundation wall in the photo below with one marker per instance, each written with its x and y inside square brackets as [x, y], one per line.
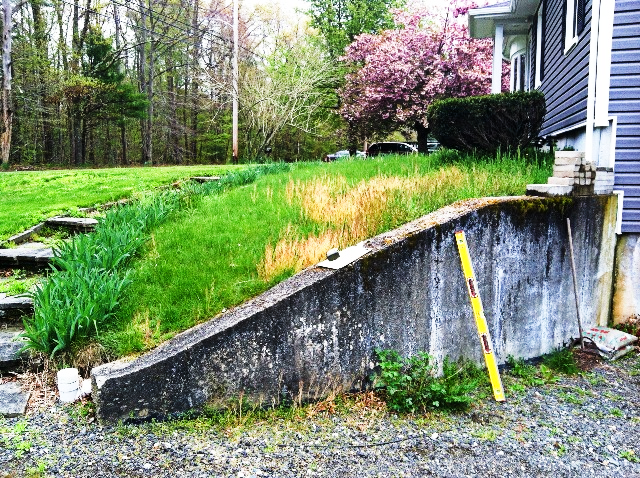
[626, 296]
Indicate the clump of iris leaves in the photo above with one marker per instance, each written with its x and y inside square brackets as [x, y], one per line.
[90, 273]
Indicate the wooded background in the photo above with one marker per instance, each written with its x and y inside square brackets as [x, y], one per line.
[150, 82]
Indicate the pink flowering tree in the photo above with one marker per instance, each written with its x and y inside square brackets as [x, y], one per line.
[398, 73]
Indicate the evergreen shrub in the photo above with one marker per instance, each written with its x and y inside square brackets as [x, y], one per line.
[504, 121]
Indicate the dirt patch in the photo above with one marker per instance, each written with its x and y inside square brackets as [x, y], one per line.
[588, 358]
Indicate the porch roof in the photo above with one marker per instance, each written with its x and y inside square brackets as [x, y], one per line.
[515, 15]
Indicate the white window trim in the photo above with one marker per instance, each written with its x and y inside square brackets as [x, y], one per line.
[538, 80]
[570, 40]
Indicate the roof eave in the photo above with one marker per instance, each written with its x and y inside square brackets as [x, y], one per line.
[482, 20]
[516, 14]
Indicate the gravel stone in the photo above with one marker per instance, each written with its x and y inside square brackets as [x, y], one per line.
[582, 426]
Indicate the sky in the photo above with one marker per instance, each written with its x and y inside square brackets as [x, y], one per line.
[289, 6]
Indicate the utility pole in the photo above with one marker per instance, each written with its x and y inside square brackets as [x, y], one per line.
[235, 83]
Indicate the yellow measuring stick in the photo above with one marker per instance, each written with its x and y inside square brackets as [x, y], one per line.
[481, 322]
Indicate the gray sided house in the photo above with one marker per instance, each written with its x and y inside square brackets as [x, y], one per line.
[585, 56]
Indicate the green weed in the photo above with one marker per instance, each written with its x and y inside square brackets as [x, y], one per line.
[412, 384]
[18, 282]
[17, 437]
[486, 434]
[630, 455]
[616, 412]
[526, 372]
[570, 398]
[562, 361]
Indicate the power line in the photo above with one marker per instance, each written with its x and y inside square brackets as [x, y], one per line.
[135, 27]
[185, 25]
[157, 14]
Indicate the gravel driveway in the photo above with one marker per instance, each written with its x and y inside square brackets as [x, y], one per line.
[587, 425]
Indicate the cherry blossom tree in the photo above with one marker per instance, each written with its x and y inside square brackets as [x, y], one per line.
[398, 73]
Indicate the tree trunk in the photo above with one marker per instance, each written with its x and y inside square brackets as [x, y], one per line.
[7, 110]
[423, 137]
[76, 132]
[195, 86]
[41, 78]
[174, 147]
[123, 131]
[146, 84]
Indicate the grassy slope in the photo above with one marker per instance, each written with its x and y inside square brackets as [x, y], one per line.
[26, 198]
[207, 258]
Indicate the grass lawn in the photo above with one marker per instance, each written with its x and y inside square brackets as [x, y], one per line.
[27, 198]
[237, 244]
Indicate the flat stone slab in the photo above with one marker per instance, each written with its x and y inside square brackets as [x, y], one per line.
[32, 256]
[205, 179]
[24, 236]
[13, 401]
[77, 224]
[10, 356]
[15, 306]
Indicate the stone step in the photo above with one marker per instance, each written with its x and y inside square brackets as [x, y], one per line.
[72, 224]
[13, 401]
[13, 308]
[10, 345]
[24, 236]
[32, 256]
[205, 179]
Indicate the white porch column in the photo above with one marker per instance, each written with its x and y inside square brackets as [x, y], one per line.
[496, 76]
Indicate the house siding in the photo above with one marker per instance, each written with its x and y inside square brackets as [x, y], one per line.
[566, 78]
[624, 102]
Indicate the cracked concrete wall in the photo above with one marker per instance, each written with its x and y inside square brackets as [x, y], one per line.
[319, 330]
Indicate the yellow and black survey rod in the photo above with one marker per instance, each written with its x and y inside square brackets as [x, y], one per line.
[481, 322]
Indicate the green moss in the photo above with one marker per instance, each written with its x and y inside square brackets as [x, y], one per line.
[524, 208]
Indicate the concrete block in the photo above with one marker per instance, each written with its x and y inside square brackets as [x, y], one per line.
[583, 190]
[567, 161]
[603, 190]
[569, 155]
[560, 181]
[548, 190]
[567, 168]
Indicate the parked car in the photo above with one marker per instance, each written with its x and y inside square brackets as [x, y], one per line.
[390, 147]
[343, 154]
[340, 154]
[432, 144]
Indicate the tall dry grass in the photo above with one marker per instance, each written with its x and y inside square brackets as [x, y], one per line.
[346, 214]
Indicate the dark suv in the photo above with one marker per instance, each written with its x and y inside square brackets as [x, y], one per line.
[390, 147]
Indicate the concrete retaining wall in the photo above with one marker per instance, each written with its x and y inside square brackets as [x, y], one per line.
[626, 298]
[319, 330]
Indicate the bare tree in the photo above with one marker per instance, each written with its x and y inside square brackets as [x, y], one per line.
[286, 90]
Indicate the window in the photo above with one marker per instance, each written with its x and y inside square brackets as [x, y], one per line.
[519, 72]
[574, 22]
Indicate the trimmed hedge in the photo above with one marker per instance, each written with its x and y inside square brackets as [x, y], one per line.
[504, 121]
